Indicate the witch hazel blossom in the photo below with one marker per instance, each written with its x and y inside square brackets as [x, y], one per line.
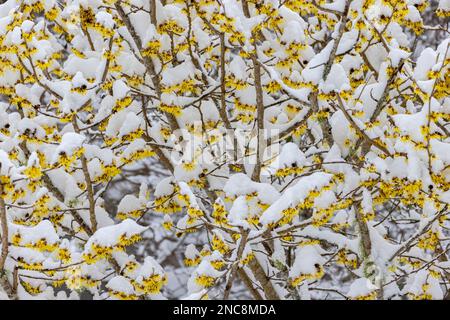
[224, 149]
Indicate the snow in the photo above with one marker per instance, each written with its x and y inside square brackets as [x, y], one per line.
[444, 5]
[6, 164]
[164, 187]
[27, 124]
[196, 295]
[408, 123]
[16, 36]
[419, 279]
[191, 252]
[302, 178]
[347, 41]
[441, 150]
[27, 25]
[293, 32]
[92, 151]
[413, 14]
[79, 80]
[65, 183]
[116, 121]
[88, 67]
[239, 212]
[325, 199]
[335, 238]
[135, 145]
[238, 67]
[102, 217]
[70, 142]
[149, 267]
[382, 249]
[186, 190]
[173, 75]
[366, 202]
[338, 5]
